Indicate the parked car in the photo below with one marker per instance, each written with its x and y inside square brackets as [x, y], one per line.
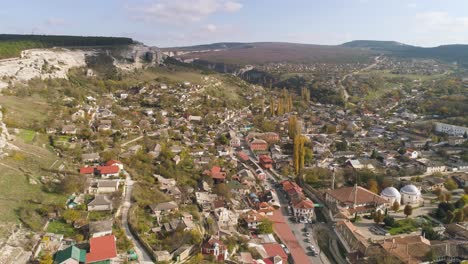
[307, 234]
[286, 250]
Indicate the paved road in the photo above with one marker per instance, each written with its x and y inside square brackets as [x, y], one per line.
[143, 256]
[298, 230]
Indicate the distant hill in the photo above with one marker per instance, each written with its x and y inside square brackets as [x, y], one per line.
[237, 53]
[448, 53]
[266, 52]
[11, 45]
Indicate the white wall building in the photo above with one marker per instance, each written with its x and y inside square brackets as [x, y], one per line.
[391, 194]
[410, 194]
[450, 129]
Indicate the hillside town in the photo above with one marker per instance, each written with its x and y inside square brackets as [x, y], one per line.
[181, 183]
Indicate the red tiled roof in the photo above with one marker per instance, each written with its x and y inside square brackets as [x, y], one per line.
[265, 159]
[304, 204]
[108, 169]
[274, 249]
[87, 170]
[243, 156]
[288, 185]
[112, 162]
[101, 248]
[347, 195]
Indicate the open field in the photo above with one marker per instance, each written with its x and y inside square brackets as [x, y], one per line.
[20, 185]
[23, 112]
[388, 74]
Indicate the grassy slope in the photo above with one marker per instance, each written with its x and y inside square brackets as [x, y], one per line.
[28, 163]
[22, 111]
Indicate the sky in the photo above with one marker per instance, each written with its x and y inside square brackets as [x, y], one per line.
[168, 23]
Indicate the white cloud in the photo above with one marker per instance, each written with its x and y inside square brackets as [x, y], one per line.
[436, 28]
[442, 21]
[231, 6]
[182, 11]
[211, 28]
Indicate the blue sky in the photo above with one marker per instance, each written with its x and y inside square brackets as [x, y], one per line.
[185, 22]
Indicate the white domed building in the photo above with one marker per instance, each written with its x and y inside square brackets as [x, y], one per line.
[410, 194]
[391, 194]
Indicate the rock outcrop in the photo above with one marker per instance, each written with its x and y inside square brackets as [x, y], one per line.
[4, 138]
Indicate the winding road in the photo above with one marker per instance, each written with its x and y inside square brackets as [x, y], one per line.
[143, 255]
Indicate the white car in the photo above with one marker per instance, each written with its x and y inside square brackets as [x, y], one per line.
[286, 250]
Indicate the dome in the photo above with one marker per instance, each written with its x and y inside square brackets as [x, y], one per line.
[390, 192]
[410, 189]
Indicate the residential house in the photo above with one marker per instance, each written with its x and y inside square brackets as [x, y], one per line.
[100, 203]
[103, 171]
[274, 250]
[215, 247]
[90, 157]
[217, 174]
[100, 228]
[165, 183]
[102, 250]
[258, 145]
[182, 253]
[69, 130]
[226, 219]
[304, 209]
[204, 199]
[266, 162]
[107, 186]
[70, 255]
[164, 208]
[252, 219]
[434, 183]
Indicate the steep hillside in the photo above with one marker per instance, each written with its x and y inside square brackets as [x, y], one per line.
[448, 53]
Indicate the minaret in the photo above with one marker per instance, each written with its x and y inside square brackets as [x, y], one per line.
[355, 194]
[333, 179]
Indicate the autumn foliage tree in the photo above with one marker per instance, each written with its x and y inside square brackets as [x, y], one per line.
[396, 206]
[372, 186]
[408, 210]
[299, 152]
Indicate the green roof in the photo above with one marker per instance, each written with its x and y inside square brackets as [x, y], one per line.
[70, 252]
[107, 261]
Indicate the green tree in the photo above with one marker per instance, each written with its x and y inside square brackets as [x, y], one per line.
[46, 258]
[265, 226]
[408, 210]
[450, 184]
[389, 221]
[429, 233]
[71, 215]
[459, 216]
[378, 217]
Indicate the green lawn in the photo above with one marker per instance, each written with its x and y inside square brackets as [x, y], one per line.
[403, 226]
[27, 135]
[60, 227]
